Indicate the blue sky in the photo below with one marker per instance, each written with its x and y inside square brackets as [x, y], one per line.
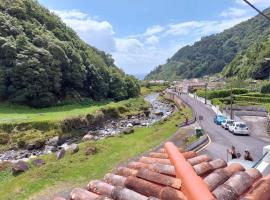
[141, 34]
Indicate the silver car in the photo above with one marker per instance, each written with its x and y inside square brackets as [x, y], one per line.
[226, 123]
[239, 128]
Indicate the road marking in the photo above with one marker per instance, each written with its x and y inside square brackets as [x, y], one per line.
[202, 148]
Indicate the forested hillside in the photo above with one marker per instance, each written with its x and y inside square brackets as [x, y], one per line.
[253, 63]
[42, 61]
[211, 54]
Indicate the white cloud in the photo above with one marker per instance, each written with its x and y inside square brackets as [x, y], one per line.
[129, 46]
[142, 52]
[70, 14]
[152, 41]
[97, 33]
[153, 30]
[202, 28]
[234, 12]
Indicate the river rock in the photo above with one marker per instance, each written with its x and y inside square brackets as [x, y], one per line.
[38, 162]
[19, 167]
[74, 148]
[39, 144]
[128, 130]
[30, 147]
[53, 141]
[159, 113]
[87, 137]
[136, 122]
[90, 151]
[129, 125]
[60, 154]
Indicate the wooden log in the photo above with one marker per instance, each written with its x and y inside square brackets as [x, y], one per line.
[81, 194]
[159, 178]
[100, 187]
[115, 180]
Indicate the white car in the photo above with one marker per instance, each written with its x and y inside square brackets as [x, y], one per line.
[239, 128]
[226, 123]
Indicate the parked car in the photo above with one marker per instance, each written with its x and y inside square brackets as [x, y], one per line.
[218, 119]
[239, 128]
[226, 123]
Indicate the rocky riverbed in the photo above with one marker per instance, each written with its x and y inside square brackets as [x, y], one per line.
[159, 109]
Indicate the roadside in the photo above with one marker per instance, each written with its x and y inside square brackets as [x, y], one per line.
[221, 139]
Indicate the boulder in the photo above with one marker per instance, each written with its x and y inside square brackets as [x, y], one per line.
[38, 162]
[60, 154]
[88, 137]
[159, 113]
[136, 122]
[30, 147]
[19, 167]
[128, 130]
[53, 141]
[74, 148]
[90, 151]
[39, 144]
[129, 125]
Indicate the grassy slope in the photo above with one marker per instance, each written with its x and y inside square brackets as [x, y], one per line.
[79, 169]
[10, 113]
[16, 114]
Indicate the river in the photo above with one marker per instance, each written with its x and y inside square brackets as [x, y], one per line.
[159, 109]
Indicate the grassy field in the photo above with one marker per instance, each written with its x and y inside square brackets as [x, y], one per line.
[78, 169]
[16, 114]
[10, 113]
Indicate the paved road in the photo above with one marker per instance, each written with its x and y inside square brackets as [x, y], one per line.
[222, 139]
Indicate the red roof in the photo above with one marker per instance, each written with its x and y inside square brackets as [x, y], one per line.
[170, 175]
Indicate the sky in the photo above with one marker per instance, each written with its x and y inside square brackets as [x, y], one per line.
[142, 34]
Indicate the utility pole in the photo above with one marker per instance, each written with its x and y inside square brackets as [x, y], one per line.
[205, 93]
[231, 100]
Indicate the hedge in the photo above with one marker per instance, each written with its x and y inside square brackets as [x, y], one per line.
[211, 94]
[252, 99]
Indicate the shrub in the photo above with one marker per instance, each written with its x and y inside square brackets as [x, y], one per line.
[265, 89]
[221, 93]
[252, 99]
[4, 138]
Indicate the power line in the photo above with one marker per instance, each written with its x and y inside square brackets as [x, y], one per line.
[251, 5]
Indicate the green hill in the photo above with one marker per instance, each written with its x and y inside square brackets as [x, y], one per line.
[211, 54]
[43, 62]
[253, 63]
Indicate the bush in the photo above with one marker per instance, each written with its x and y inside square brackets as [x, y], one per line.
[265, 89]
[4, 138]
[221, 93]
[252, 99]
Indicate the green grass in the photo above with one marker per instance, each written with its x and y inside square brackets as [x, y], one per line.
[10, 113]
[78, 169]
